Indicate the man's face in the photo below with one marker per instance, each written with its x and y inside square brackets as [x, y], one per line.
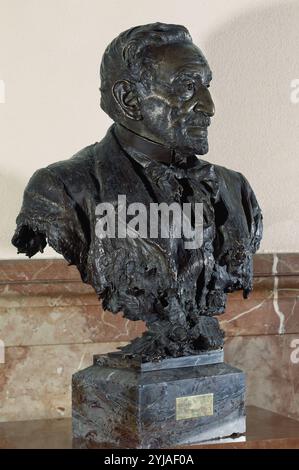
[176, 105]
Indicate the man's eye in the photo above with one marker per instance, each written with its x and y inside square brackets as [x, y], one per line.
[185, 89]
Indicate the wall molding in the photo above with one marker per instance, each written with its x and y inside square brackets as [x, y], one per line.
[58, 270]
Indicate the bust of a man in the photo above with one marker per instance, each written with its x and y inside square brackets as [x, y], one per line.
[155, 86]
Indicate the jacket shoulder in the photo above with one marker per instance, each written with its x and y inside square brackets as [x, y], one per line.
[82, 164]
[229, 175]
[75, 167]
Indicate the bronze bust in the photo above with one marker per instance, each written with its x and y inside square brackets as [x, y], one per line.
[155, 86]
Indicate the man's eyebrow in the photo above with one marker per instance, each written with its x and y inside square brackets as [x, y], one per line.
[188, 72]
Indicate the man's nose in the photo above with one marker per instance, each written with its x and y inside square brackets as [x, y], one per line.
[204, 103]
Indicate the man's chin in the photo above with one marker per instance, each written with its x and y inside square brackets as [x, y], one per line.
[195, 144]
[202, 150]
[199, 147]
[193, 149]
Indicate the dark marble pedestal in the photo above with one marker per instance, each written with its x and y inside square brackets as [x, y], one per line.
[120, 402]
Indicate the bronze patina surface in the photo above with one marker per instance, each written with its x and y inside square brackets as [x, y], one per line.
[155, 86]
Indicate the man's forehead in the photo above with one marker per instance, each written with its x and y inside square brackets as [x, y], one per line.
[171, 59]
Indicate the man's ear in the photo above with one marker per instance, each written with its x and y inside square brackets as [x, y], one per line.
[125, 95]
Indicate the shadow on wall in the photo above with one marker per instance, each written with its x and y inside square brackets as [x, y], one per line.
[254, 58]
[11, 191]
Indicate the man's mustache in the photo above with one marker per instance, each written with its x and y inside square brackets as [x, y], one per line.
[201, 121]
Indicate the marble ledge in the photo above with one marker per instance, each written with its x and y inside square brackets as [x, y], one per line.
[35, 293]
[21, 270]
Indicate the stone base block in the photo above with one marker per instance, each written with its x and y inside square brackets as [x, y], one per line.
[118, 406]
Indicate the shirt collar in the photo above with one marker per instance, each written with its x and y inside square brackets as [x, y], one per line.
[135, 145]
[146, 153]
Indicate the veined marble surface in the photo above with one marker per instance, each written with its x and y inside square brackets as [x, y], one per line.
[52, 324]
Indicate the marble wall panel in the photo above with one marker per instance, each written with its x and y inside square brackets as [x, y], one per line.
[26, 326]
[45, 302]
[35, 381]
[52, 324]
[272, 370]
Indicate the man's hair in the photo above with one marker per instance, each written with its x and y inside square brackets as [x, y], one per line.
[127, 57]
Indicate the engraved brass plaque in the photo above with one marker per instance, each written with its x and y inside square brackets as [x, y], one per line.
[194, 406]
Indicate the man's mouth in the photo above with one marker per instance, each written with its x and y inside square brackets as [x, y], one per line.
[199, 127]
[199, 131]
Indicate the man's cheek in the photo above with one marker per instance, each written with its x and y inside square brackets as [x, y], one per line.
[154, 108]
[176, 117]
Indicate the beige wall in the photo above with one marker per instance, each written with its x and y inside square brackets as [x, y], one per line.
[49, 59]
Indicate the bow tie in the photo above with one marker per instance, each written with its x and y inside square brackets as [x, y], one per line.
[200, 175]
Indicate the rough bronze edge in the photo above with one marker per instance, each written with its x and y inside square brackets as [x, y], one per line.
[23, 271]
